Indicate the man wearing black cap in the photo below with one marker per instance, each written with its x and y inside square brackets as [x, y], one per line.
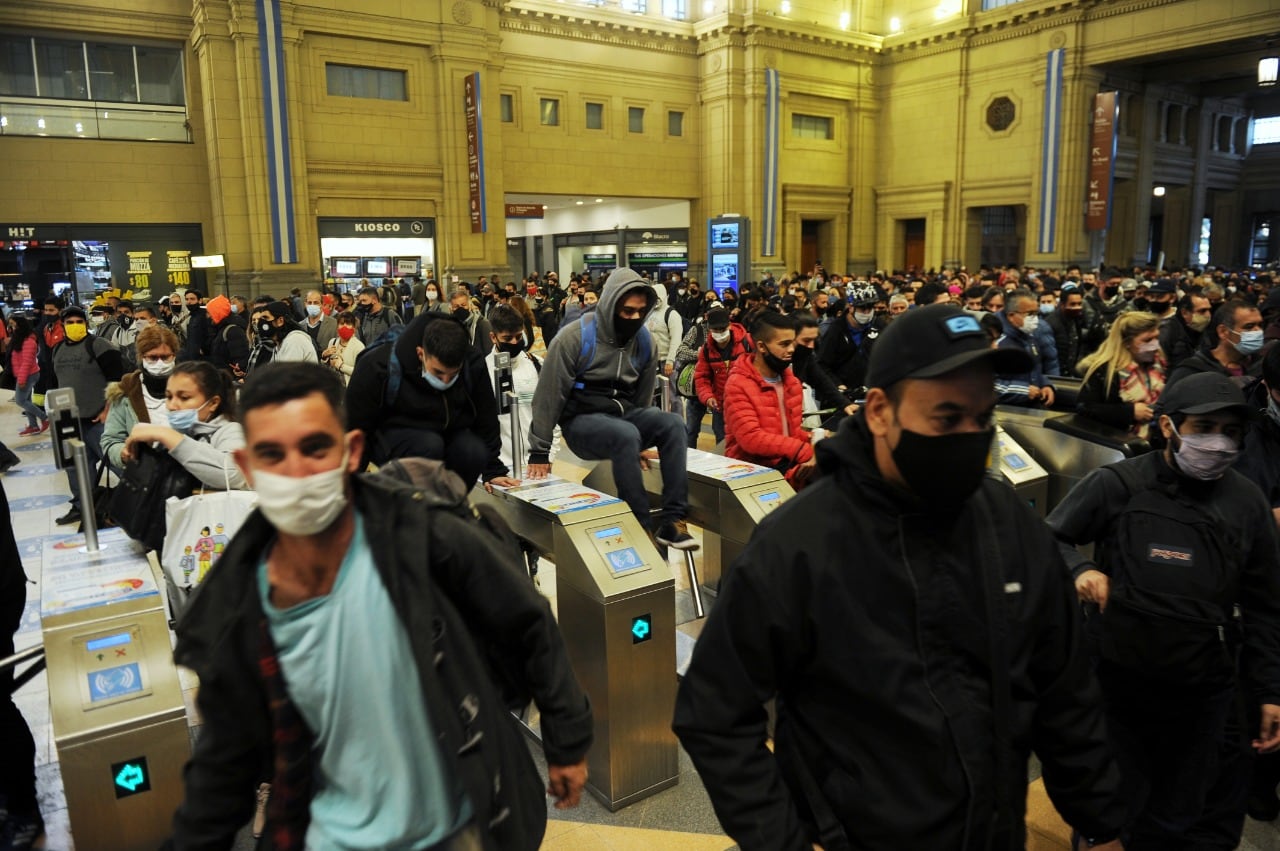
[1180, 334]
[86, 364]
[846, 346]
[1161, 297]
[292, 343]
[918, 649]
[1185, 597]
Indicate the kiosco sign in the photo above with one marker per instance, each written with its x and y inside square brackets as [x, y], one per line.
[415, 228]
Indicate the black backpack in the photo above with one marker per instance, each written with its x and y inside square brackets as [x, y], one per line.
[1171, 611]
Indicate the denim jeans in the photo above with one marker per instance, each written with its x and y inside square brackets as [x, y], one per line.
[620, 439]
[694, 411]
[22, 395]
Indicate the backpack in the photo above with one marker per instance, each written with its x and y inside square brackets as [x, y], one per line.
[395, 373]
[587, 353]
[1171, 610]
[687, 360]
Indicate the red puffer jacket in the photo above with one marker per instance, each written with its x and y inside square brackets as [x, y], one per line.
[712, 371]
[753, 420]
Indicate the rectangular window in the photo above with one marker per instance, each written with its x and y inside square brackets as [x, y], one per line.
[60, 69]
[507, 107]
[1266, 131]
[595, 116]
[638, 7]
[635, 119]
[112, 73]
[17, 67]
[677, 10]
[549, 112]
[996, 4]
[675, 123]
[1206, 231]
[811, 126]
[159, 76]
[352, 81]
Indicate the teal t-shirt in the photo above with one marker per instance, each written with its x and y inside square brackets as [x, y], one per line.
[350, 670]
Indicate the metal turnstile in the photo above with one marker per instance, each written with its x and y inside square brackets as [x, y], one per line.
[1023, 473]
[119, 722]
[727, 498]
[616, 600]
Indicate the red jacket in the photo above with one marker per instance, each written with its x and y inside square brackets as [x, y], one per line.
[753, 420]
[712, 371]
[24, 361]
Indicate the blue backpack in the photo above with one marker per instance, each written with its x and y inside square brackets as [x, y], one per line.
[587, 353]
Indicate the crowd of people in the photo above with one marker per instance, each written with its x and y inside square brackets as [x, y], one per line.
[910, 692]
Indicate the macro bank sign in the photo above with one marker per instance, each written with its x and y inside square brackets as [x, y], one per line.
[419, 228]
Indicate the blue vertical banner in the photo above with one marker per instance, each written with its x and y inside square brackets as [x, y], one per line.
[275, 109]
[475, 152]
[1050, 146]
[772, 115]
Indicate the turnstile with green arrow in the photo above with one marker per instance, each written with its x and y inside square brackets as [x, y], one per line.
[119, 722]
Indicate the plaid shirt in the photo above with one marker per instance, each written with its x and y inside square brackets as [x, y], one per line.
[289, 807]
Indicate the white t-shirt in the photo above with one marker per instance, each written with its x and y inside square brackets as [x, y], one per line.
[524, 378]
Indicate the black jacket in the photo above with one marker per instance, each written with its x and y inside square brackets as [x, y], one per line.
[1075, 337]
[467, 405]
[1203, 361]
[230, 346]
[871, 634]
[1089, 512]
[448, 580]
[1177, 341]
[842, 357]
[1259, 460]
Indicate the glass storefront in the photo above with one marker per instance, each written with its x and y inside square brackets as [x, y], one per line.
[356, 251]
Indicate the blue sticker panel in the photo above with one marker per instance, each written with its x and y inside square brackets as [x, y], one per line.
[110, 683]
[32, 472]
[622, 561]
[33, 503]
[39, 446]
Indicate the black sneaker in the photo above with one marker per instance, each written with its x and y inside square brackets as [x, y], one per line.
[676, 535]
[1264, 808]
[9, 463]
[72, 516]
[21, 831]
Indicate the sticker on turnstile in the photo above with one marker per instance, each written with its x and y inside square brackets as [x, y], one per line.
[131, 777]
[621, 561]
[111, 683]
[1015, 461]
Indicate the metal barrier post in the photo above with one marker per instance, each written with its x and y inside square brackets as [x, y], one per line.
[665, 383]
[84, 474]
[695, 587]
[517, 436]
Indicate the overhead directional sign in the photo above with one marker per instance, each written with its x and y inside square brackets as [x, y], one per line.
[131, 777]
[641, 629]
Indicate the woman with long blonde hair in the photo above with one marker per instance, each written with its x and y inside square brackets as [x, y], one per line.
[1124, 378]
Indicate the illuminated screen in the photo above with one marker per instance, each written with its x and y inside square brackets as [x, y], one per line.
[377, 268]
[771, 496]
[724, 270]
[1015, 462]
[346, 267]
[613, 532]
[108, 641]
[724, 235]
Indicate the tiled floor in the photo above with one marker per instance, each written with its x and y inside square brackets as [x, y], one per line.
[678, 818]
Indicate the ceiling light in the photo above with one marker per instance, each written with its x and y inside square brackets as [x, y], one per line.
[79, 127]
[845, 18]
[786, 7]
[1158, 191]
[895, 25]
[579, 203]
[1268, 68]
[4, 121]
[544, 206]
[40, 123]
[599, 200]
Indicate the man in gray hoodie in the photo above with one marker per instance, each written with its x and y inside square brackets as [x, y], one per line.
[597, 383]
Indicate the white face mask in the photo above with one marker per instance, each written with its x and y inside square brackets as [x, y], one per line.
[1030, 324]
[432, 295]
[721, 336]
[303, 506]
[157, 367]
[863, 318]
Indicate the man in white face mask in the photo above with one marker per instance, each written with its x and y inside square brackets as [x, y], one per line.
[333, 618]
[1184, 613]
[1021, 320]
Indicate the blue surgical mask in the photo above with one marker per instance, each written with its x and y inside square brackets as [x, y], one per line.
[1250, 342]
[235, 308]
[184, 419]
[1046, 309]
[437, 383]
[313, 310]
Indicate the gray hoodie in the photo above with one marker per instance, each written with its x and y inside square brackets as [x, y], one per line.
[612, 384]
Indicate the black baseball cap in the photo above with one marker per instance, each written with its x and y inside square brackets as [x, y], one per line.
[1204, 393]
[1162, 286]
[717, 318]
[926, 342]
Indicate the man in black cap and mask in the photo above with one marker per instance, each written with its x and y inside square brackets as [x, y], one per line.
[1184, 589]
[914, 670]
[292, 343]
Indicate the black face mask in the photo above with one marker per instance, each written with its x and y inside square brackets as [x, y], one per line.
[363, 308]
[124, 321]
[512, 349]
[800, 356]
[774, 362]
[626, 329]
[964, 456]
[461, 314]
[1141, 304]
[266, 328]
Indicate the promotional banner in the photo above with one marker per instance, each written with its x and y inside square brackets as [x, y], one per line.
[475, 152]
[1102, 162]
